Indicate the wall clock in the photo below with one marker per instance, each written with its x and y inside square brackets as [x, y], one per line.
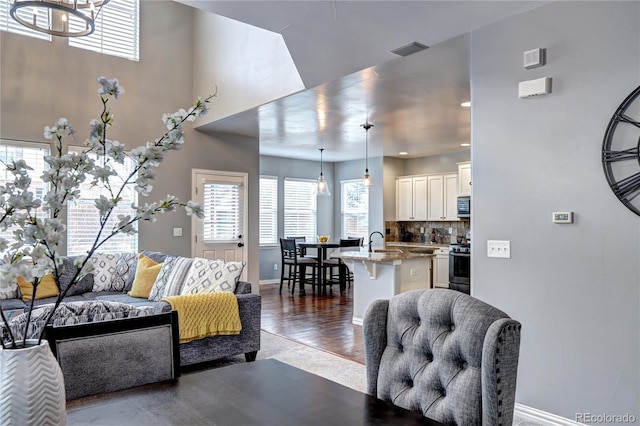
[620, 152]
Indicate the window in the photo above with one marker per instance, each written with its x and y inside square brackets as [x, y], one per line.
[222, 211]
[355, 208]
[300, 208]
[83, 221]
[268, 210]
[7, 23]
[117, 30]
[33, 154]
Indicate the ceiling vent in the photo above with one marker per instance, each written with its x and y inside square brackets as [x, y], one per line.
[409, 49]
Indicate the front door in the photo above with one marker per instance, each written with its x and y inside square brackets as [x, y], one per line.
[222, 232]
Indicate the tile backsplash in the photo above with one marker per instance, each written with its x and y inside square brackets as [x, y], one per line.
[445, 232]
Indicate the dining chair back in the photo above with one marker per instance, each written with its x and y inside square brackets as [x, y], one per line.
[445, 354]
[350, 242]
[296, 265]
[301, 250]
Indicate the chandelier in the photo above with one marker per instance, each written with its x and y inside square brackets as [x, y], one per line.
[63, 18]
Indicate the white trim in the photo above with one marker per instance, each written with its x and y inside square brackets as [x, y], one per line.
[245, 215]
[541, 417]
[272, 281]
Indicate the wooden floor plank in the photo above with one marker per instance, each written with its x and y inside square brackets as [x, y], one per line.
[323, 322]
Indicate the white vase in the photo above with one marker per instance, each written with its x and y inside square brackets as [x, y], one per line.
[31, 386]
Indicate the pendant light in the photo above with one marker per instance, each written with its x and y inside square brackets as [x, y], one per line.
[366, 179]
[323, 188]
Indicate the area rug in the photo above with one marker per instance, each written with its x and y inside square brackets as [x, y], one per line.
[322, 363]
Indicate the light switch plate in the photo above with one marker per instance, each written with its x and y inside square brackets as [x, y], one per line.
[562, 217]
[500, 249]
[177, 232]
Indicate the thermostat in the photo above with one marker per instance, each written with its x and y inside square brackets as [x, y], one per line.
[562, 217]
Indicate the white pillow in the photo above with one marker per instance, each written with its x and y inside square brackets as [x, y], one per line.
[105, 266]
[208, 276]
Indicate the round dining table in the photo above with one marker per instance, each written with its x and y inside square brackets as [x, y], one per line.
[321, 256]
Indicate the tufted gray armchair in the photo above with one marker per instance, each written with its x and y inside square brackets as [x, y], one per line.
[443, 353]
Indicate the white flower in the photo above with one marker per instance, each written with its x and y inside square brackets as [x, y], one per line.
[96, 129]
[110, 87]
[104, 205]
[193, 208]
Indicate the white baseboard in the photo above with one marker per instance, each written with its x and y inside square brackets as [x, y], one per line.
[273, 281]
[541, 417]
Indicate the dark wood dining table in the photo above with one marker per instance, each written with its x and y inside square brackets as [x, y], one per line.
[265, 392]
[321, 256]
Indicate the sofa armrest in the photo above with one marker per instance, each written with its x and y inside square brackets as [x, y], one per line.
[243, 287]
[250, 307]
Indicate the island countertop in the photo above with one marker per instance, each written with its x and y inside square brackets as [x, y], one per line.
[385, 256]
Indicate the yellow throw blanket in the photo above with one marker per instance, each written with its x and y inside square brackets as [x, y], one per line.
[206, 314]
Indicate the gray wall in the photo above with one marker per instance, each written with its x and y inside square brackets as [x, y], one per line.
[436, 163]
[573, 287]
[42, 81]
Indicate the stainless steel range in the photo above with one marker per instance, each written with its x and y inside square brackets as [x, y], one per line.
[460, 267]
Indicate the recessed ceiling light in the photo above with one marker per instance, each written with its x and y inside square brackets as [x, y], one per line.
[465, 144]
[403, 153]
[466, 104]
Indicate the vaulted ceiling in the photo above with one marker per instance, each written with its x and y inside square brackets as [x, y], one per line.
[342, 52]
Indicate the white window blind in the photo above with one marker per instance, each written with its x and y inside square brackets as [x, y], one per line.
[33, 154]
[300, 208]
[268, 210]
[222, 211]
[355, 208]
[7, 23]
[83, 219]
[117, 30]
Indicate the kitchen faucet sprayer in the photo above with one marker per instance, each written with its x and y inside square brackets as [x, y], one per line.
[371, 235]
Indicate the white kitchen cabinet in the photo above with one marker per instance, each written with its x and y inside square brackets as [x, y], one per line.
[464, 178]
[441, 268]
[411, 198]
[442, 197]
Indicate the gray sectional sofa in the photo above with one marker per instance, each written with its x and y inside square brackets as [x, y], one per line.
[191, 353]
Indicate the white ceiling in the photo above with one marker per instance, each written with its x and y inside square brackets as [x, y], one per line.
[341, 50]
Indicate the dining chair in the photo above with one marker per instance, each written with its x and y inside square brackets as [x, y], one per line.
[301, 250]
[338, 266]
[445, 354]
[297, 266]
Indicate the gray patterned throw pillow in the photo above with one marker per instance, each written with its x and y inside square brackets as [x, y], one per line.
[171, 277]
[125, 264]
[208, 276]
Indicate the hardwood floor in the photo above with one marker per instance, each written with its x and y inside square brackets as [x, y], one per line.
[323, 322]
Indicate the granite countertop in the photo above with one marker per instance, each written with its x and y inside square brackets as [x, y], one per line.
[384, 256]
[421, 245]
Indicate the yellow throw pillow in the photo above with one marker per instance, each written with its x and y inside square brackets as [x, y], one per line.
[146, 273]
[46, 288]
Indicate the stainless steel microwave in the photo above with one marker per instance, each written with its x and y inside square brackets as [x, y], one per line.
[464, 206]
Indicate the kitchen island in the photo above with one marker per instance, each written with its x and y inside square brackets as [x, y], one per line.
[385, 273]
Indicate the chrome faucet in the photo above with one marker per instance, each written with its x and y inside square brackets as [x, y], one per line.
[371, 235]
